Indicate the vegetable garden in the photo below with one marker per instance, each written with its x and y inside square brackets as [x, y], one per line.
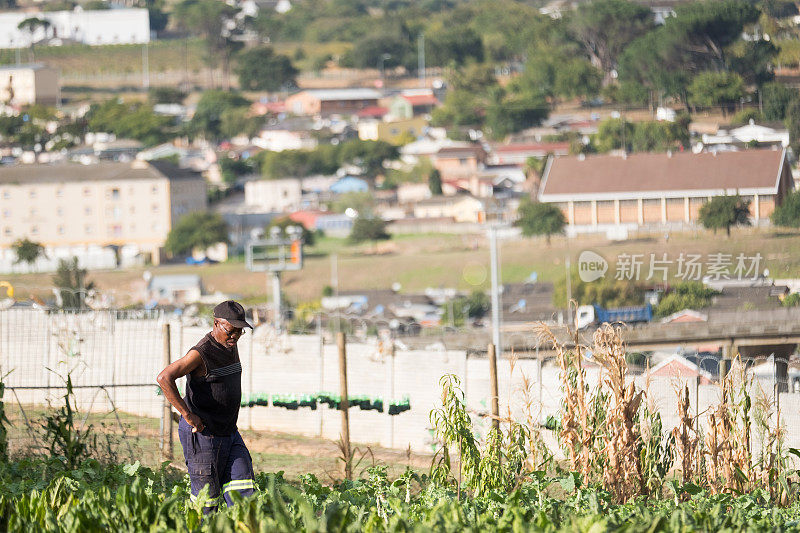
[616, 469]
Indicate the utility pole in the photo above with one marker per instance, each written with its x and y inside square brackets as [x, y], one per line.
[495, 289]
[421, 59]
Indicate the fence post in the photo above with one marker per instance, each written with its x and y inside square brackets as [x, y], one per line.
[344, 405]
[493, 387]
[166, 413]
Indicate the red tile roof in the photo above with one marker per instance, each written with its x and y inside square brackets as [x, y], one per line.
[655, 173]
[421, 99]
[372, 111]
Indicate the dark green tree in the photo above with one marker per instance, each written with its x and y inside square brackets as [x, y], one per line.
[368, 229]
[71, 283]
[207, 119]
[261, 69]
[199, 229]
[712, 89]
[211, 20]
[606, 27]
[685, 295]
[369, 155]
[775, 98]
[792, 121]
[27, 251]
[724, 212]
[453, 45]
[788, 213]
[435, 182]
[130, 120]
[536, 218]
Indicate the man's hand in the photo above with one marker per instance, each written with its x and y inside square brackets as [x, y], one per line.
[194, 421]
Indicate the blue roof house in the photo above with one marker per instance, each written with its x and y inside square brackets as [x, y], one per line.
[349, 184]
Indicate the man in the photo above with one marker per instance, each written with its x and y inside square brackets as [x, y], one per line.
[215, 453]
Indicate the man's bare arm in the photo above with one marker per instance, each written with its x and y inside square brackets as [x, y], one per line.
[166, 380]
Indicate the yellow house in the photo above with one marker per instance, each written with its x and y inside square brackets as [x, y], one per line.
[395, 132]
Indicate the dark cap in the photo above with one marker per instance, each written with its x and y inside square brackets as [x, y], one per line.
[233, 312]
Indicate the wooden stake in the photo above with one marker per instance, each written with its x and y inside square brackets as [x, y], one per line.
[166, 414]
[493, 387]
[344, 405]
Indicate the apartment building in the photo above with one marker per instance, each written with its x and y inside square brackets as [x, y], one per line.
[73, 207]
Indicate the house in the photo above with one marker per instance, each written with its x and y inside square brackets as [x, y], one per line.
[392, 132]
[679, 367]
[331, 101]
[413, 192]
[458, 161]
[427, 147]
[92, 27]
[74, 209]
[750, 133]
[273, 196]
[173, 289]
[290, 134]
[29, 84]
[600, 192]
[460, 208]
[487, 182]
[686, 315]
[349, 184]
[519, 153]
[334, 224]
[413, 102]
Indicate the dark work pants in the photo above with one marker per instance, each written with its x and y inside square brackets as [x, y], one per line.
[221, 463]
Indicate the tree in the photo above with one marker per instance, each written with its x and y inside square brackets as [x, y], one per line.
[606, 292]
[260, 69]
[212, 19]
[369, 155]
[70, 280]
[510, 112]
[476, 305]
[792, 121]
[788, 213]
[130, 120]
[238, 121]
[724, 212]
[32, 25]
[709, 89]
[368, 229]
[207, 119]
[27, 251]
[455, 44]
[776, 98]
[685, 295]
[435, 182]
[284, 222]
[199, 229]
[606, 27]
[537, 218]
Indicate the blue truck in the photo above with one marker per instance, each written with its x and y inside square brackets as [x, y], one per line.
[594, 315]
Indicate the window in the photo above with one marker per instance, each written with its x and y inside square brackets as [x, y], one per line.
[7, 232]
[32, 193]
[462, 161]
[33, 211]
[6, 195]
[154, 189]
[116, 213]
[87, 191]
[6, 213]
[60, 211]
[155, 208]
[61, 230]
[112, 194]
[116, 230]
[87, 210]
[87, 229]
[133, 209]
[34, 230]
[59, 193]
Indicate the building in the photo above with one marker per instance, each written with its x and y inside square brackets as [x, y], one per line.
[273, 196]
[349, 184]
[291, 134]
[392, 132]
[331, 101]
[458, 161]
[413, 102]
[748, 134]
[29, 84]
[173, 289]
[93, 27]
[73, 209]
[518, 153]
[597, 193]
[460, 208]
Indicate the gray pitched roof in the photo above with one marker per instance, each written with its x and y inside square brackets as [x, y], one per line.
[64, 172]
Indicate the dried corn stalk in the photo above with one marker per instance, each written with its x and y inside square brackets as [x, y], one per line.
[686, 436]
[623, 472]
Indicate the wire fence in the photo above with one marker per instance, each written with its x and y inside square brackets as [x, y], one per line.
[290, 378]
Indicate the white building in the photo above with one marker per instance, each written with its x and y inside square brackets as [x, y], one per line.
[273, 196]
[29, 84]
[95, 27]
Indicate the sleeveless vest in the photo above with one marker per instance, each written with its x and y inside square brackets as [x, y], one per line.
[216, 397]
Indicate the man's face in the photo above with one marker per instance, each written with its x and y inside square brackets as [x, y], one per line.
[225, 333]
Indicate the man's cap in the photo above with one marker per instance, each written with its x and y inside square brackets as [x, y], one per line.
[233, 312]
